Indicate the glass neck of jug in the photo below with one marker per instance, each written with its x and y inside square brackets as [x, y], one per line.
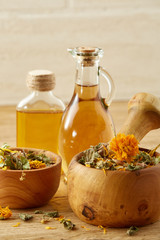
[87, 74]
[87, 59]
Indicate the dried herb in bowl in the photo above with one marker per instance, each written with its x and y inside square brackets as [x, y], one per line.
[122, 153]
[21, 160]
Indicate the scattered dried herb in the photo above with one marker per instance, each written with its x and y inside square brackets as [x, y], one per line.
[23, 176]
[132, 230]
[47, 215]
[38, 212]
[67, 224]
[122, 154]
[53, 214]
[25, 216]
[45, 219]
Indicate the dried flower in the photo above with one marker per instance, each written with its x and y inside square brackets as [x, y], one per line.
[125, 147]
[5, 213]
[35, 164]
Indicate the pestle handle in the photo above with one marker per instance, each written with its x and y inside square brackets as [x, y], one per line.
[143, 115]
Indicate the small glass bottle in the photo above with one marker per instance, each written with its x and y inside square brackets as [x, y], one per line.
[86, 121]
[39, 114]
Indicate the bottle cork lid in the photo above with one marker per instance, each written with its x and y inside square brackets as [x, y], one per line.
[87, 49]
[41, 80]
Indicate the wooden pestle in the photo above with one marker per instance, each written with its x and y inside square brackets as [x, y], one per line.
[143, 115]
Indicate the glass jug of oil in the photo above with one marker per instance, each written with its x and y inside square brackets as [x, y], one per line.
[86, 120]
[39, 114]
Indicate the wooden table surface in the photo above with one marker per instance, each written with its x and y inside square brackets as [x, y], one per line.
[33, 229]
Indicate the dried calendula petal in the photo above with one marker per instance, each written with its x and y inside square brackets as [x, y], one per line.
[16, 225]
[5, 213]
[103, 228]
[50, 227]
[35, 164]
[87, 229]
[43, 221]
[25, 216]
[59, 218]
[4, 168]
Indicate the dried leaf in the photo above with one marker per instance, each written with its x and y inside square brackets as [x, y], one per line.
[151, 153]
[5, 146]
[67, 224]
[53, 214]
[132, 230]
[39, 212]
[25, 216]
[45, 219]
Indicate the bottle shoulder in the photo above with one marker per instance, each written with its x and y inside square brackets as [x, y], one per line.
[41, 101]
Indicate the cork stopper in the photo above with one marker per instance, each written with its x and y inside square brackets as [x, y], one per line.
[87, 55]
[41, 80]
[86, 49]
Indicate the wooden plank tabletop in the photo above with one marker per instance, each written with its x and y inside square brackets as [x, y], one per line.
[33, 229]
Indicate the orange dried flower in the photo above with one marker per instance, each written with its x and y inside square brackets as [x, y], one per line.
[5, 213]
[35, 164]
[125, 147]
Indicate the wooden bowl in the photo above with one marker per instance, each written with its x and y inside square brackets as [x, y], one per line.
[36, 189]
[114, 199]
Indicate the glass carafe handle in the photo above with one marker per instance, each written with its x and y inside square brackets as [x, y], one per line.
[111, 87]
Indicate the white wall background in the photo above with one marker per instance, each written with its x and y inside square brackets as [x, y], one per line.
[35, 34]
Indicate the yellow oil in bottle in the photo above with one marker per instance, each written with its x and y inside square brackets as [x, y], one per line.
[85, 122]
[38, 129]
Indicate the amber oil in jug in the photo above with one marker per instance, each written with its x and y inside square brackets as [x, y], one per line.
[85, 121]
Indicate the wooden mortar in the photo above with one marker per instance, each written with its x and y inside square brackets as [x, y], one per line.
[37, 188]
[120, 198]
